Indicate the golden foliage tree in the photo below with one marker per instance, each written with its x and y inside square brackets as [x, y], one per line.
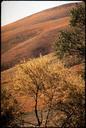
[61, 90]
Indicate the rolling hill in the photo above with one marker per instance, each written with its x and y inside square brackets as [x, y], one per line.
[32, 35]
[42, 83]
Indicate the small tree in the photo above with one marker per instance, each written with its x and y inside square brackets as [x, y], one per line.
[72, 41]
[78, 16]
[32, 80]
[61, 91]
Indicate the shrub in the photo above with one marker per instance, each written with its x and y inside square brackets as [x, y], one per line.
[10, 110]
[78, 16]
[72, 41]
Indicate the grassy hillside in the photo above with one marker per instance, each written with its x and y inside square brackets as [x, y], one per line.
[40, 88]
[32, 35]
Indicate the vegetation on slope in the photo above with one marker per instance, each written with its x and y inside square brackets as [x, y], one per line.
[72, 42]
[60, 91]
[57, 93]
[10, 110]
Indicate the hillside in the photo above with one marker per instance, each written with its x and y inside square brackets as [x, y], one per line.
[42, 78]
[35, 34]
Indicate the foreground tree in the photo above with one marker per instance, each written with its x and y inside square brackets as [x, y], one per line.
[61, 95]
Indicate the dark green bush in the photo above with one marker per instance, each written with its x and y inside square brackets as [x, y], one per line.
[72, 41]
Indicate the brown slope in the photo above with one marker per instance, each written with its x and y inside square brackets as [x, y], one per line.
[34, 34]
[49, 14]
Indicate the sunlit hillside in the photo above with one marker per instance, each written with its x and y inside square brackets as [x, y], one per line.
[35, 34]
[43, 70]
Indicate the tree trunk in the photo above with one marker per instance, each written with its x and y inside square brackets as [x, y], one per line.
[36, 111]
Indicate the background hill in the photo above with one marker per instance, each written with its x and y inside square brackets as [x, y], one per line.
[35, 34]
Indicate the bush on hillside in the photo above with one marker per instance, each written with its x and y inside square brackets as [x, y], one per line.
[78, 16]
[72, 41]
[10, 110]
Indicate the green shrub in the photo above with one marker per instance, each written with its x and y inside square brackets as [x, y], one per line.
[72, 41]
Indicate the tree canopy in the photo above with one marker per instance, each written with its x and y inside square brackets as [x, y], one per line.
[72, 41]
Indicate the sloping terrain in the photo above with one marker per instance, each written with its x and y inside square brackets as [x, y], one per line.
[33, 35]
[46, 85]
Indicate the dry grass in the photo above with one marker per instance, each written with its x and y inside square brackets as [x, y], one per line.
[22, 39]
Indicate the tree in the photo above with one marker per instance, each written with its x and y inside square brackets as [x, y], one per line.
[33, 80]
[61, 95]
[78, 16]
[72, 41]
